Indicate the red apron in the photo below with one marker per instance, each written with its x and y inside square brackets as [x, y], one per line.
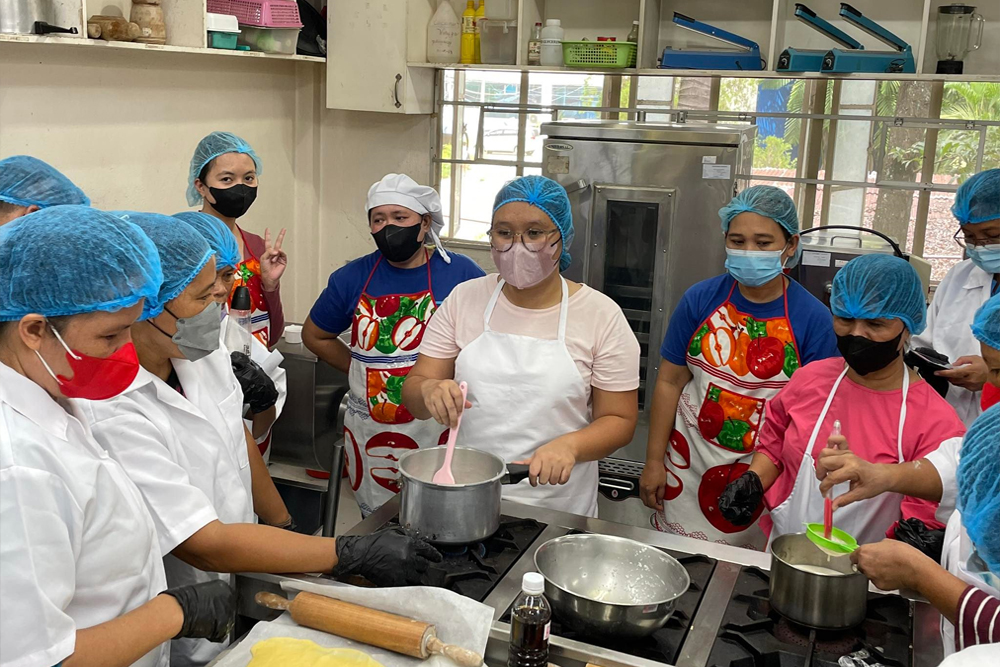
[385, 335]
[737, 363]
[248, 273]
[991, 396]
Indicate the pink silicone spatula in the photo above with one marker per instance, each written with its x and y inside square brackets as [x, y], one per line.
[444, 476]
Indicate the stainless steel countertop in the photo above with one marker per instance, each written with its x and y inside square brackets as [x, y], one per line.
[566, 653]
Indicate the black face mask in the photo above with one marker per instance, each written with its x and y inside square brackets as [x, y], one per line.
[398, 244]
[867, 356]
[235, 201]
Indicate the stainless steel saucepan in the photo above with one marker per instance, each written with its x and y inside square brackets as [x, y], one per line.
[813, 588]
[610, 586]
[454, 514]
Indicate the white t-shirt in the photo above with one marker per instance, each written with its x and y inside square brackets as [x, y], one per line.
[598, 336]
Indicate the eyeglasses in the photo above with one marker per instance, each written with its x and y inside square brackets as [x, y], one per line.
[964, 241]
[534, 240]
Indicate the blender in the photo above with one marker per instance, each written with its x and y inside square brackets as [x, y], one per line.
[954, 27]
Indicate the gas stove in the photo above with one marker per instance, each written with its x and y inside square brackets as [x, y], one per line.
[724, 619]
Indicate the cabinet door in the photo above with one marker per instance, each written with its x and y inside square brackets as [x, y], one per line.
[366, 59]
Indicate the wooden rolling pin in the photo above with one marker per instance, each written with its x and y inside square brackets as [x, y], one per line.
[376, 628]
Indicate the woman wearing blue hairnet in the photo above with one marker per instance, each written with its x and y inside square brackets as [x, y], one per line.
[260, 374]
[967, 287]
[886, 413]
[732, 343]
[82, 581]
[27, 184]
[223, 179]
[970, 592]
[178, 432]
[552, 367]
[385, 298]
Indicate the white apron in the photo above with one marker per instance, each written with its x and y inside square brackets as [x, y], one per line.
[526, 392]
[955, 559]
[866, 520]
[378, 429]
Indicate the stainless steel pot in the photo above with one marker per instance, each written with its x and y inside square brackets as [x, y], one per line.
[453, 514]
[814, 589]
[18, 16]
[609, 585]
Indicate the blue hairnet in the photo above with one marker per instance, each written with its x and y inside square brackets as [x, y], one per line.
[183, 253]
[978, 199]
[978, 480]
[546, 194]
[219, 237]
[873, 286]
[765, 200]
[986, 323]
[67, 260]
[211, 147]
[27, 181]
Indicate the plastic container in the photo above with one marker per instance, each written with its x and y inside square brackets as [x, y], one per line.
[222, 40]
[238, 324]
[530, 621]
[552, 38]
[499, 42]
[501, 10]
[223, 30]
[444, 35]
[613, 55]
[261, 13]
[270, 40]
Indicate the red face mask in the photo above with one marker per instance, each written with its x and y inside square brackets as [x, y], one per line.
[93, 378]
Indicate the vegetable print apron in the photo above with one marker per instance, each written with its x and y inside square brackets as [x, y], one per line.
[248, 273]
[385, 335]
[526, 392]
[737, 363]
[955, 557]
[866, 520]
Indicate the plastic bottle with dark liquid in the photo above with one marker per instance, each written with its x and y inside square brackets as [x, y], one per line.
[530, 619]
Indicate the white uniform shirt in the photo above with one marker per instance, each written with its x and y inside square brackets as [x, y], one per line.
[945, 461]
[188, 456]
[949, 322]
[77, 546]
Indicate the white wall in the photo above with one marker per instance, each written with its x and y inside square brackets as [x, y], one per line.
[123, 125]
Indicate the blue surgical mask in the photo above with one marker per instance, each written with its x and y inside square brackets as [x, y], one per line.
[986, 257]
[754, 268]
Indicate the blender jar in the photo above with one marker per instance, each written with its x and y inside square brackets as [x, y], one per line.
[954, 27]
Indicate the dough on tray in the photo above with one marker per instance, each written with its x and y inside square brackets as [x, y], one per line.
[287, 652]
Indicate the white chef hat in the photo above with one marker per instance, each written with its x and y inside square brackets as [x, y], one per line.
[401, 190]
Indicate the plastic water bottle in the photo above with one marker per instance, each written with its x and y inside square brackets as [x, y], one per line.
[238, 324]
[552, 39]
[530, 621]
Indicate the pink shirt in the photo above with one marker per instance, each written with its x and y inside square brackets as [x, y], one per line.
[598, 336]
[869, 420]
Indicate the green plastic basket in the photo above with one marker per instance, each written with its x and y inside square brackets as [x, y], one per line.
[599, 54]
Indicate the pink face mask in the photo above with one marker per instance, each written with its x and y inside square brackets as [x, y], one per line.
[522, 268]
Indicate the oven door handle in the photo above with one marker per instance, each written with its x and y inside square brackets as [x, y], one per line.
[617, 488]
[577, 187]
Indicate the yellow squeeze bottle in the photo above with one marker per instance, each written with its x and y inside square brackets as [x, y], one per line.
[480, 15]
[469, 34]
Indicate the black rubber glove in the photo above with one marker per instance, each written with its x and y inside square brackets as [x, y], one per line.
[387, 558]
[209, 610]
[741, 498]
[258, 389]
[929, 541]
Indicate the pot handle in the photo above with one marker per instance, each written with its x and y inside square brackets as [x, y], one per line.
[516, 472]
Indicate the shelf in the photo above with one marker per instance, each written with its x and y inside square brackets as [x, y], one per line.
[766, 74]
[135, 46]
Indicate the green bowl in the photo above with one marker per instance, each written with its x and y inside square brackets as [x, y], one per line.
[842, 542]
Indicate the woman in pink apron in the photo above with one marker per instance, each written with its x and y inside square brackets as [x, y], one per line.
[733, 342]
[223, 178]
[887, 414]
[386, 299]
[552, 366]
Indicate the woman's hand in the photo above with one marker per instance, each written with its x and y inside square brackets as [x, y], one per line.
[653, 484]
[552, 463]
[444, 401]
[273, 261]
[867, 479]
[968, 373]
[891, 564]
